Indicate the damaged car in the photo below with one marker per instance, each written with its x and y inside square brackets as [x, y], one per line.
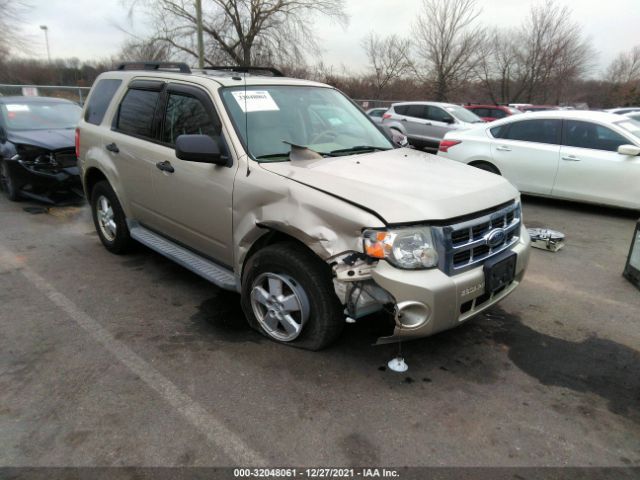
[37, 149]
[285, 191]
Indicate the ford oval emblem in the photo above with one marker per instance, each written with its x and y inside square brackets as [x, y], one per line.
[496, 237]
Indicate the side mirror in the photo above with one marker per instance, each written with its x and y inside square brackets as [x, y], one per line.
[3, 135]
[200, 148]
[629, 150]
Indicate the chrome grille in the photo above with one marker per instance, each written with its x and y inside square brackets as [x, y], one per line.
[465, 245]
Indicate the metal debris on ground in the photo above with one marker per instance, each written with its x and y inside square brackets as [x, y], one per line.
[546, 239]
[397, 364]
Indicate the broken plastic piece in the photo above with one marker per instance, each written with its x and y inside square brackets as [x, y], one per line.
[546, 239]
[398, 365]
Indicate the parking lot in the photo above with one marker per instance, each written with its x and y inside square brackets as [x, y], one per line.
[132, 360]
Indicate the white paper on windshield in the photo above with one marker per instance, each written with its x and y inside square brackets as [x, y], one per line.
[255, 101]
[14, 107]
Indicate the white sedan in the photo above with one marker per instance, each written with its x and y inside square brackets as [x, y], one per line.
[577, 155]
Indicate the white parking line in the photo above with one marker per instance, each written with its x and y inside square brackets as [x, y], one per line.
[205, 422]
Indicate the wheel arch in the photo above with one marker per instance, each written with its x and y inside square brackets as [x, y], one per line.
[476, 163]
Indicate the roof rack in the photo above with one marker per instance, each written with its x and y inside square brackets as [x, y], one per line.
[274, 71]
[181, 67]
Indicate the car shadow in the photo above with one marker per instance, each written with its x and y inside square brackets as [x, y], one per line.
[571, 206]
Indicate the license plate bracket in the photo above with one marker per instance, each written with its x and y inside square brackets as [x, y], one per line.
[500, 272]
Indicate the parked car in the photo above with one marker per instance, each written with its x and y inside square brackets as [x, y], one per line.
[425, 123]
[623, 110]
[247, 182]
[489, 113]
[538, 108]
[376, 114]
[37, 155]
[577, 155]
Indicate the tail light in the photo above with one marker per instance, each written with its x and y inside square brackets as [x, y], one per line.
[445, 145]
[386, 115]
[77, 143]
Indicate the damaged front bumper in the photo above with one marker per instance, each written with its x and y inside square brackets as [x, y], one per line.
[49, 182]
[425, 302]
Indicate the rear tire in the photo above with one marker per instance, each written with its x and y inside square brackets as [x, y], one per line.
[109, 219]
[487, 167]
[287, 280]
[7, 182]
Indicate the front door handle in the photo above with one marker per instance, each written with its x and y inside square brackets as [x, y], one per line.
[165, 166]
[112, 147]
[502, 148]
[570, 158]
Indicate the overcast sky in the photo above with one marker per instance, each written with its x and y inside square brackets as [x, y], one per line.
[88, 28]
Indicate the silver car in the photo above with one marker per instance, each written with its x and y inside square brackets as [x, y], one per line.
[376, 114]
[425, 123]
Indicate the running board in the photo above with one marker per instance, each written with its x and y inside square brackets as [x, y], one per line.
[199, 265]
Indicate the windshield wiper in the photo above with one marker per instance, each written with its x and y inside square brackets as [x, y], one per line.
[357, 148]
[273, 155]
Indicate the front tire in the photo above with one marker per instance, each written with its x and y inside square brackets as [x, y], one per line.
[7, 182]
[288, 296]
[109, 219]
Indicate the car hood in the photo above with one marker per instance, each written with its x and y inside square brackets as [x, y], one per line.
[49, 139]
[402, 185]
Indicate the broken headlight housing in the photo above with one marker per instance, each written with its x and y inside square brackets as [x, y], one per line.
[410, 248]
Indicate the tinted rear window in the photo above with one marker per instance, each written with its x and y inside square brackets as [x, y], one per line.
[136, 112]
[100, 99]
[401, 109]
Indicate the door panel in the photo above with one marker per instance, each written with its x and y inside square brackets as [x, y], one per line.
[194, 202]
[528, 154]
[598, 174]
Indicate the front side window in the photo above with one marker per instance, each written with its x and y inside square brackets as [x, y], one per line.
[270, 118]
[187, 115]
[591, 135]
[438, 115]
[40, 115]
[136, 113]
[538, 131]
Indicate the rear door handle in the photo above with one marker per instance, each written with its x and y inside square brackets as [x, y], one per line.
[571, 158]
[403, 120]
[112, 147]
[502, 148]
[427, 123]
[165, 166]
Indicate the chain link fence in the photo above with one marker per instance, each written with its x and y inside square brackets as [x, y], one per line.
[75, 94]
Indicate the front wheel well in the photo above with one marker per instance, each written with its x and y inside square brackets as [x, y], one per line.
[270, 238]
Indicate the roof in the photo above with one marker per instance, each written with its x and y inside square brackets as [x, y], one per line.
[23, 99]
[220, 77]
[595, 116]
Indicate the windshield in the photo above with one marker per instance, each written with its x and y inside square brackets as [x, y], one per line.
[631, 126]
[321, 119]
[40, 115]
[463, 114]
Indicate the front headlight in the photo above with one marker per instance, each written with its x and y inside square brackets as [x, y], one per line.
[410, 248]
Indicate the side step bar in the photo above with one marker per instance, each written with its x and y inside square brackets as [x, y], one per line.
[207, 269]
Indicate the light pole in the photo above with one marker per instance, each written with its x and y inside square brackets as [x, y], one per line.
[199, 33]
[46, 40]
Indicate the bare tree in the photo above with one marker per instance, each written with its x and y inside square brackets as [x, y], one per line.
[145, 49]
[388, 59]
[552, 51]
[244, 32]
[624, 75]
[497, 64]
[447, 40]
[11, 35]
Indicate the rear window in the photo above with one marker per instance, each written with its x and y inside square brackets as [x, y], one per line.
[100, 98]
[136, 113]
